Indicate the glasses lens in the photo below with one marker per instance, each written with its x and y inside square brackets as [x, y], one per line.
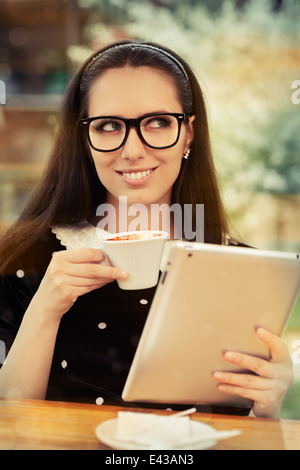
[160, 131]
[107, 133]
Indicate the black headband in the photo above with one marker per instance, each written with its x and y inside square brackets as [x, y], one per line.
[144, 46]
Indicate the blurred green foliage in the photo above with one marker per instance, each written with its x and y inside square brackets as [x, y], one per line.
[294, 321]
[290, 407]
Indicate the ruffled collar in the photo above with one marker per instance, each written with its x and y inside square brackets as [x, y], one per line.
[84, 234]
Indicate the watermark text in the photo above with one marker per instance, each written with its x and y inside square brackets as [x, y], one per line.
[296, 94]
[296, 352]
[2, 351]
[2, 92]
[134, 217]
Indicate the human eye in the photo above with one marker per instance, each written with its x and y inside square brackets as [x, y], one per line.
[104, 125]
[157, 122]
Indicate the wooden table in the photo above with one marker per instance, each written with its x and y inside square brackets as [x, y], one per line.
[41, 425]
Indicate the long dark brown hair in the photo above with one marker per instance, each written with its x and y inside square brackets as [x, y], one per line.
[70, 190]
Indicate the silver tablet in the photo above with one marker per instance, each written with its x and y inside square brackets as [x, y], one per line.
[210, 299]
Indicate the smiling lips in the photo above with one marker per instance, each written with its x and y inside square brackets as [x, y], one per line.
[137, 176]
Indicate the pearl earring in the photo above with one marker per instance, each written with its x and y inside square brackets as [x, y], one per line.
[187, 154]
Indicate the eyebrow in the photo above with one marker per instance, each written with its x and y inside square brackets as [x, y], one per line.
[141, 116]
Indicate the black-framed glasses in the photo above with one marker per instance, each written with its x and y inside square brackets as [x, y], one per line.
[157, 130]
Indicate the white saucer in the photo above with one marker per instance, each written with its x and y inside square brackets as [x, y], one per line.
[106, 432]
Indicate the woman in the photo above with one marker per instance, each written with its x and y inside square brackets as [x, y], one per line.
[133, 124]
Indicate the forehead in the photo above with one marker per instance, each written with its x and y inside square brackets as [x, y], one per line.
[133, 91]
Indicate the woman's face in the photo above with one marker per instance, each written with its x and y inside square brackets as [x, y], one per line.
[142, 174]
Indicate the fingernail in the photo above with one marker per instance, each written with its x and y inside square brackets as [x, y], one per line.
[218, 375]
[261, 332]
[123, 275]
[222, 387]
[229, 355]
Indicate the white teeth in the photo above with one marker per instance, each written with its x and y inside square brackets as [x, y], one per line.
[138, 175]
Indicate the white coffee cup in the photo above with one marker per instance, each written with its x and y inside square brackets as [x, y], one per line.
[139, 254]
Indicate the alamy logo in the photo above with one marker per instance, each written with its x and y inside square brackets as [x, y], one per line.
[296, 353]
[2, 92]
[161, 215]
[296, 94]
[2, 351]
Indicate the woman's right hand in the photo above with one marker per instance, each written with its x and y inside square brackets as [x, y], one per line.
[70, 274]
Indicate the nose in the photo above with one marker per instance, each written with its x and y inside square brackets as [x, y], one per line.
[133, 148]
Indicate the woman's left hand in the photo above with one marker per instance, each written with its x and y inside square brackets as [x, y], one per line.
[268, 387]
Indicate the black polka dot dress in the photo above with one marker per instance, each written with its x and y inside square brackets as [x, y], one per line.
[97, 337]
